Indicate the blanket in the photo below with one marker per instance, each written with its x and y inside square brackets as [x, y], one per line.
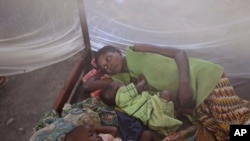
[54, 127]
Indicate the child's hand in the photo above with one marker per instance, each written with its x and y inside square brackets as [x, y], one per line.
[166, 95]
[106, 76]
[142, 78]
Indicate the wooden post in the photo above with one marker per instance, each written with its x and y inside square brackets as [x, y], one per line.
[81, 65]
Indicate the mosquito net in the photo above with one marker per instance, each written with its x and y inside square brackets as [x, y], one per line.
[37, 33]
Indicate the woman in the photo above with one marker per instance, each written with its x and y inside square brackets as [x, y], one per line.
[194, 82]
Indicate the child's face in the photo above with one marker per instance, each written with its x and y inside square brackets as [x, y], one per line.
[111, 62]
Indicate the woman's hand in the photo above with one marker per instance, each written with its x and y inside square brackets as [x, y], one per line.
[185, 95]
[97, 81]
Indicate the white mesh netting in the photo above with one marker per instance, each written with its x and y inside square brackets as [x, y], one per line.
[37, 33]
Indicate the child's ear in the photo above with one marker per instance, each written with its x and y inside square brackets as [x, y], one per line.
[93, 63]
[119, 51]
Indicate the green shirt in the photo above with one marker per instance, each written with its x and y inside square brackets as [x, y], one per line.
[161, 73]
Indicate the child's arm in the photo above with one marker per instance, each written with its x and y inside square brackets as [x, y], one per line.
[107, 130]
[96, 82]
[141, 83]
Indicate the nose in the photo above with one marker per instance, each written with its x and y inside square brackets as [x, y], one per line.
[108, 67]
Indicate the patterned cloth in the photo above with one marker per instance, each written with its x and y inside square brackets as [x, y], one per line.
[57, 130]
[222, 108]
[88, 112]
[195, 132]
[183, 135]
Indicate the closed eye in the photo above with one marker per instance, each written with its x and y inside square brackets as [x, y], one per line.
[108, 58]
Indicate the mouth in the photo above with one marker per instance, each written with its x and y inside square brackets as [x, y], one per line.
[114, 68]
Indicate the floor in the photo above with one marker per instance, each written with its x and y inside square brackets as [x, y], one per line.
[27, 97]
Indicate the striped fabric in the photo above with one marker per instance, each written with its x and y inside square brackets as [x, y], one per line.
[222, 108]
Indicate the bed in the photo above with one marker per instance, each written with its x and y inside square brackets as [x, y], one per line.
[73, 96]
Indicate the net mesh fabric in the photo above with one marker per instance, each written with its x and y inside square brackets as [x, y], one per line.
[38, 33]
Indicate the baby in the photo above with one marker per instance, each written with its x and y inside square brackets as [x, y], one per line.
[154, 110]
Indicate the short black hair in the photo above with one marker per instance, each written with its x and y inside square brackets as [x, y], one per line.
[105, 96]
[103, 50]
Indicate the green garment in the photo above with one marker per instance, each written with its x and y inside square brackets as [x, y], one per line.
[123, 78]
[154, 112]
[161, 73]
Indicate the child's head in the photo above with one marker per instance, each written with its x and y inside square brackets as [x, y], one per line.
[108, 93]
[110, 60]
[80, 133]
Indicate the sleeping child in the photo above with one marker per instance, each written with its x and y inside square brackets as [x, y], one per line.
[103, 133]
[90, 133]
[156, 111]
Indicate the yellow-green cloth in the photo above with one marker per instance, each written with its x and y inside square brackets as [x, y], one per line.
[123, 78]
[154, 112]
[162, 74]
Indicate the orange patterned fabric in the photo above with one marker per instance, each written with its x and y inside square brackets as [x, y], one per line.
[86, 77]
[222, 108]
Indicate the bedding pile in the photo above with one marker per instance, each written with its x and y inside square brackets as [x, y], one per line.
[91, 111]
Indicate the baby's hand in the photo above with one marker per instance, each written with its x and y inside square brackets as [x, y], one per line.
[142, 78]
[166, 95]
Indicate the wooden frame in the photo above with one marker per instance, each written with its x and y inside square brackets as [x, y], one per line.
[72, 88]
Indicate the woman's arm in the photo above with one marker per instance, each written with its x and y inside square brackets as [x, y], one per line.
[141, 83]
[96, 82]
[180, 57]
